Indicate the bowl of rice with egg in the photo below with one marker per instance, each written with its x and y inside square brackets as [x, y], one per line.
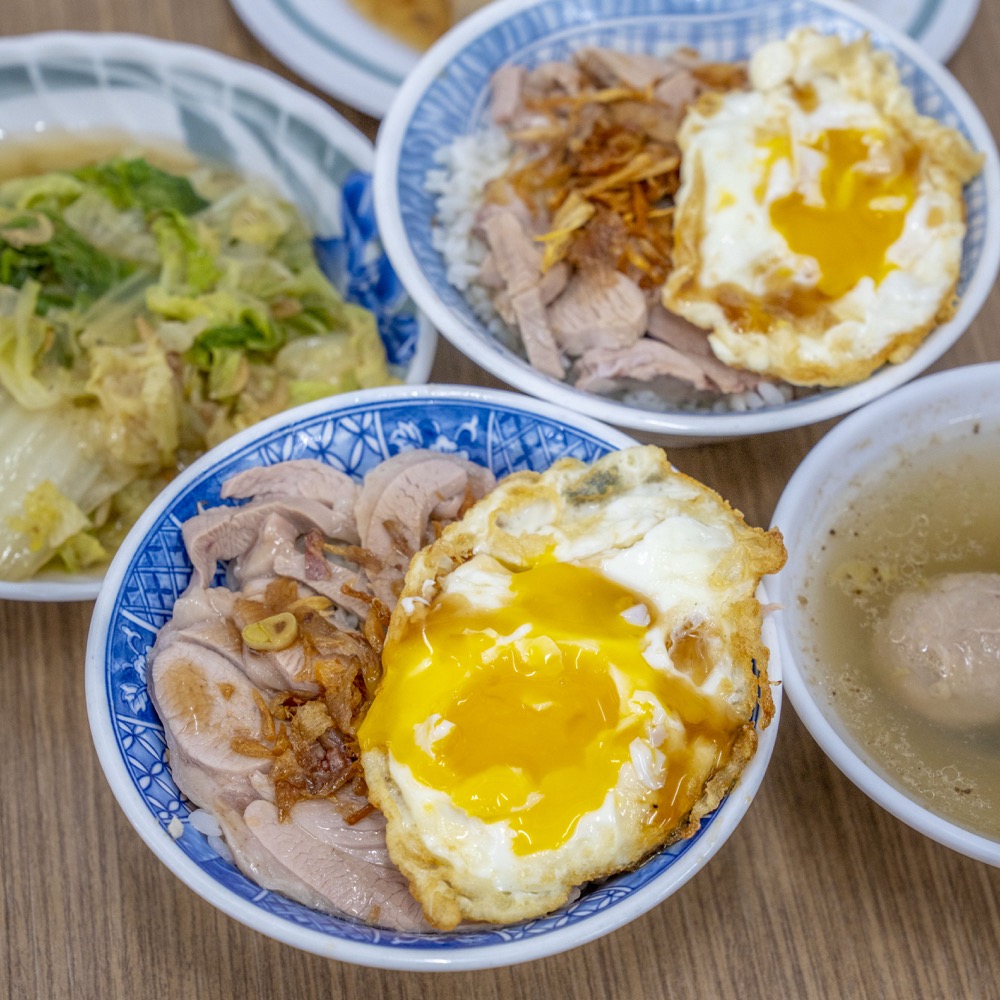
[700, 222]
[325, 669]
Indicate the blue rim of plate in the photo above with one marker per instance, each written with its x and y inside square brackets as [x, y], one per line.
[506, 431]
[446, 97]
[283, 122]
[313, 40]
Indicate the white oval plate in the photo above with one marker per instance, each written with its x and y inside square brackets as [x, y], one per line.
[939, 25]
[335, 48]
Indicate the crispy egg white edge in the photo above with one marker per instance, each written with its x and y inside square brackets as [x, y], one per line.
[465, 842]
[722, 147]
[637, 526]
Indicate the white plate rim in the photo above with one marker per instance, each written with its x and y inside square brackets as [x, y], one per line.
[940, 26]
[367, 74]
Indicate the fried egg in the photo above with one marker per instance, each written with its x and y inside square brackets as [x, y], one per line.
[819, 223]
[570, 679]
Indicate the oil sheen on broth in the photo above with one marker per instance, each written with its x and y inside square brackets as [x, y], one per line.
[931, 515]
[67, 150]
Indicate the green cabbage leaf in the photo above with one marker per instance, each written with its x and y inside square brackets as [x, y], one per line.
[145, 316]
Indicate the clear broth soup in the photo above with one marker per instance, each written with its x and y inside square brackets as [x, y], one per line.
[934, 513]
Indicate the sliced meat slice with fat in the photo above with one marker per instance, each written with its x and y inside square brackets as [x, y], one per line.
[318, 858]
[204, 702]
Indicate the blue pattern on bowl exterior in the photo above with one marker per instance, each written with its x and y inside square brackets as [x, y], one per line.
[230, 112]
[504, 431]
[447, 96]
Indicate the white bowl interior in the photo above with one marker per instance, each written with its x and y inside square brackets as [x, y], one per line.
[941, 407]
[446, 97]
[503, 430]
[333, 46]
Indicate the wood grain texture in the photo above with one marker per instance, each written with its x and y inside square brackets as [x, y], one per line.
[819, 893]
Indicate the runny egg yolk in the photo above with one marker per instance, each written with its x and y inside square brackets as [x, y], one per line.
[861, 216]
[525, 713]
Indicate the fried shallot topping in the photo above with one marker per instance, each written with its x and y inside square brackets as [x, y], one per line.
[311, 738]
[600, 166]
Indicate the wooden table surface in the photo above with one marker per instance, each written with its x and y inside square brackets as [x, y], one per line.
[818, 893]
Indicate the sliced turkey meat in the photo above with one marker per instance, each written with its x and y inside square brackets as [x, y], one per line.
[398, 502]
[224, 533]
[304, 477]
[600, 307]
[518, 261]
[611, 67]
[691, 341]
[505, 98]
[345, 868]
[677, 91]
[259, 684]
[600, 368]
[204, 702]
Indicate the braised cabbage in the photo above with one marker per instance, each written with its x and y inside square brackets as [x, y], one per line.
[145, 316]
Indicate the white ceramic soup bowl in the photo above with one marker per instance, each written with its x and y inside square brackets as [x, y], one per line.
[505, 431]
[945, 408]
[227, 112]
[446, 98]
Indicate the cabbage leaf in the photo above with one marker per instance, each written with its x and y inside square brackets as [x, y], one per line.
[136, 183]
[145, 316]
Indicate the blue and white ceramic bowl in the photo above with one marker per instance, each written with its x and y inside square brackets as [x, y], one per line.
[229, 112]
[446, 97]
[353, 432]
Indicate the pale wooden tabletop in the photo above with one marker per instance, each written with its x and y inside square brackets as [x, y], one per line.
[818, 893]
